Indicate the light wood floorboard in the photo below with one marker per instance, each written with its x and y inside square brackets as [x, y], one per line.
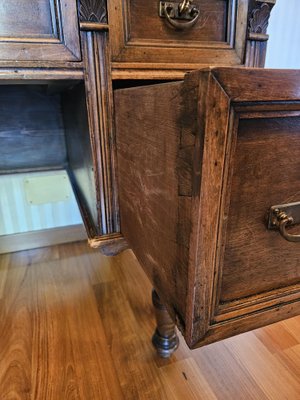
[78, 325]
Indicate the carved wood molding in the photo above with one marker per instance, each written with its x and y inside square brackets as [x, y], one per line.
[100, 114]
[259, 20]
[92, 11]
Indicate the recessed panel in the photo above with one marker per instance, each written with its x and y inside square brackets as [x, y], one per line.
[39, 30]
[266, 172]
[145, 23]
[27, 18]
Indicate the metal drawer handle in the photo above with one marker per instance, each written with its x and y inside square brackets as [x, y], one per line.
[175, 12]
[282, 216]
[285, 221]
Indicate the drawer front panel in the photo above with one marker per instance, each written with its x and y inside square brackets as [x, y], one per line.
[246, 275]
[266, 172]
[144, 23]
[140, 35]
[194, 210]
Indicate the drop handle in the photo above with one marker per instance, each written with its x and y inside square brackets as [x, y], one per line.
[180, 16]
[283, 216]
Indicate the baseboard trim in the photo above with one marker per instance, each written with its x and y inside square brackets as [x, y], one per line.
[41, 238]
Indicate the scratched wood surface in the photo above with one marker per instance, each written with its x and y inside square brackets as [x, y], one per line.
[154, 187]
[77, 325]
[249, 243]
[198, 163]
[211, 27]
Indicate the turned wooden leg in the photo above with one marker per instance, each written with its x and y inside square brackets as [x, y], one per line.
[164, 339]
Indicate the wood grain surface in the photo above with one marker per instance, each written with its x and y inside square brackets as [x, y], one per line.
[253, 253]
[99, 101]
[211, 27]
[141, 39]
[259, 84]
[78, 325]
[39, 30]
[193, 162]
[149, 179]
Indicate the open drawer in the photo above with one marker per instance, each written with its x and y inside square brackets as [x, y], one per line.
[200, 164]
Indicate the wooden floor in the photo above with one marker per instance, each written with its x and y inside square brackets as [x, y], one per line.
[76, 325]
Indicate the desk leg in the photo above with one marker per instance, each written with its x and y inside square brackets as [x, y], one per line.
[165, 339]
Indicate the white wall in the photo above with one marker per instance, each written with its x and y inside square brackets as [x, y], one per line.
[284, 30]
[17, 215]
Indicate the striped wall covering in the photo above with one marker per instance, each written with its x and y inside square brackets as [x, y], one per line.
[18, 215]
[284, 30]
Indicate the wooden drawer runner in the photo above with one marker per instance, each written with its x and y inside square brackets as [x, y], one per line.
[200, 163]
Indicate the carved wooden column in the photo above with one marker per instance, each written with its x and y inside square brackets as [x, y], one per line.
[98, 84]
[258, 20]
[165, 339]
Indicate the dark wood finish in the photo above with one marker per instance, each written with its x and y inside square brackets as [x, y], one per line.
[148, 185]
[80, 158]
[39, 30]
[227, 33]
[101, 131]
[140, 39]
[174, 202]
[248, 243]
[39, 42]
[90, 145]
[92, 11]
[165, 339]
[31, 126]
[258, 20]
[284, 84]
[144, 24]
[83, 171]
[199, 167]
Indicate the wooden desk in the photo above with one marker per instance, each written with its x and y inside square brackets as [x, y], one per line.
[73, 54]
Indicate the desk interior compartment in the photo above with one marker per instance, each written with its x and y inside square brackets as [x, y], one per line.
[44, 127]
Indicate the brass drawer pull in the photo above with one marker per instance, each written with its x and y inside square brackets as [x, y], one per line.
[282, 216]
[175, 12]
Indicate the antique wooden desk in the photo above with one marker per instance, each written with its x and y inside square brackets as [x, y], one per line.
[199, 176]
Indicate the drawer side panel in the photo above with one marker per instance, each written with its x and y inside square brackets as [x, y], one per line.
[154, 167]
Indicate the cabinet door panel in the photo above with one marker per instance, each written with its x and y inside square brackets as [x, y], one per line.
[201, 162]
[39, 30]
[36, 19]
